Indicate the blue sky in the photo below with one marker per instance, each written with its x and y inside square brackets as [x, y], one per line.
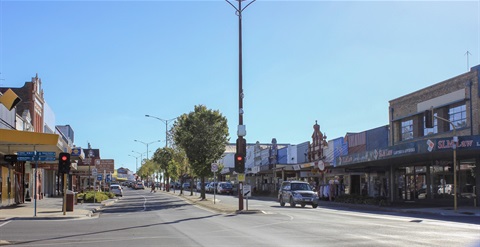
[105, 64]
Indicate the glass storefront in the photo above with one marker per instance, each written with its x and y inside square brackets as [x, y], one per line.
[436, 181]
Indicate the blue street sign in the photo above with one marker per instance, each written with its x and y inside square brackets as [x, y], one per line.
[25, 158]
[46, 154]
[29, 153]
[99, 177]
[46, 158]
[109, 178]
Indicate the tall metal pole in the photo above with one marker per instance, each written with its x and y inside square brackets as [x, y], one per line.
[166, 126]
[166, 133]
[454, 146]
[64, 193]
[239, 11]
[455, 176]
[35, 186]
[146, 144]
[240, 92]
[141, 158]
[240, 68]
[136, 161]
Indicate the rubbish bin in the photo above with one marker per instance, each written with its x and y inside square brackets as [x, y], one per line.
[70, 200]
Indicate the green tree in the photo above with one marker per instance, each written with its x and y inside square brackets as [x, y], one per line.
[163, 157]
[180, 162]
[203, 135]
[146, 170]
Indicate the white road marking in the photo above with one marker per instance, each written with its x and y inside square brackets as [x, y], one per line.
[5, 223]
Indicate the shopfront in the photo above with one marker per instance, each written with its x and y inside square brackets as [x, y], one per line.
[417, 171]
[435, 181]
[24, 180]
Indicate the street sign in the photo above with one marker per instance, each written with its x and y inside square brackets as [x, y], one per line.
[25, 158]
[94, 172]
[214, 167]
[247, 190]
[46, 154]
[39, 156]
[46, 158]
[99, 177]
[29, 153]
[108, 178]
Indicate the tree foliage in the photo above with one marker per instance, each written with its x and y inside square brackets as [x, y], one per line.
[163, 157]
[147, 169]
[203, 135]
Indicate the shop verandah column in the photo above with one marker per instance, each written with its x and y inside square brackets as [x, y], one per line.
[477, 180]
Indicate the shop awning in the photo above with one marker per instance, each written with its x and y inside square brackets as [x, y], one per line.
[13, 141]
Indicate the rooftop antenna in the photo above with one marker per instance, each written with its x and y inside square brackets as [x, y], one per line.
[468, 64]
[1, 79]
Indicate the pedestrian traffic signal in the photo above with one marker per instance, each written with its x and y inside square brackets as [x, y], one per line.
[64, 163]
[239, 163]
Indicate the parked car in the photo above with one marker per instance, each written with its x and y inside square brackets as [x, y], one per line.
[212, 187]
[225, 188]
[116, 189]
[186, 186]
[295, 192]
[199, 186]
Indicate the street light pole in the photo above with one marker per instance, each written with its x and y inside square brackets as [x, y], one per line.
[136, 161]
[241, 132]
[141, 157]
[166, 126]
[91, 155]
[145, 143]
[454, 146]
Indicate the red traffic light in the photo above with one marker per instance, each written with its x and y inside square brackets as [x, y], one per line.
[64, 163]
[239, 158]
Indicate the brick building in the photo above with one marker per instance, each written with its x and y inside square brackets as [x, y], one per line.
[417, 165]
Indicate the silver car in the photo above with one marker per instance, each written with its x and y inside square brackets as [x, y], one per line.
[297, 192]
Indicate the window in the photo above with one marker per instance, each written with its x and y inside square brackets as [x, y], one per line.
[458, 116]
[407, 130]
[431, 131]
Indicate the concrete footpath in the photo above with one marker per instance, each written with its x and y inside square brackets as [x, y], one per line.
[225, 207]
[51, 208]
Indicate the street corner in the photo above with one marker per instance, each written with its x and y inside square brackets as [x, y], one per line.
[250, 211]
[216, 206]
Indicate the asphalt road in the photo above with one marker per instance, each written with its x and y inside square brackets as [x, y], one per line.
[141, 218]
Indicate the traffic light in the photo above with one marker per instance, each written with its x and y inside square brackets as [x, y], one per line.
[239, 163]
[64, 163]
[428, 119]
[241, 146]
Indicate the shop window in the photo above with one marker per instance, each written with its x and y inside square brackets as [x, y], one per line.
[431, 131]
[458, 116]
[407, 130]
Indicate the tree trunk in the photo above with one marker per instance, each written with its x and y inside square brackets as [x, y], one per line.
[202, 188]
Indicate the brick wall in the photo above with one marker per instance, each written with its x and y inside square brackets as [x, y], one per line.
[405, 107]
